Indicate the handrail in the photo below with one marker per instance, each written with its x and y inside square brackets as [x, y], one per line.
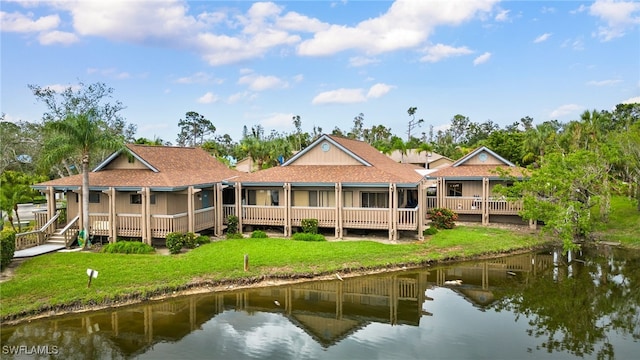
[51, 221]
[66, 228]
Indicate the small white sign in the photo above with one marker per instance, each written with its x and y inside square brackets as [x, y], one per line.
[93, 273]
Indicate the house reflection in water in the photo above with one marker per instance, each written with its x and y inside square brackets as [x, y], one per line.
[328, 311]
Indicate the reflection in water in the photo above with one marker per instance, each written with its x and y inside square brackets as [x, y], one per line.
[413, 314]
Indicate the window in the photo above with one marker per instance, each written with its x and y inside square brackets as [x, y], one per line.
[94, 197]
[313, 198]
[374, 200]
[152, 199]
[135, 199]
[263, 197]
[348, 199]
[454, 189]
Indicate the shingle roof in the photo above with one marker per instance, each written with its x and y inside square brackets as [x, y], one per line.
[177, 167]
[382, 169]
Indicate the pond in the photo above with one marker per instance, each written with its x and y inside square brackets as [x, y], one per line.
[530, 306]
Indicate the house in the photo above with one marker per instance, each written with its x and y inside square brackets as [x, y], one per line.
[246, 165]
[468, 187]
[146, 192]
[343, 183]
[423, 159]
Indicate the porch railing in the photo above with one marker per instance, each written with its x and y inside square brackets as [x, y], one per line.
[129, 225]
[161, 225]
[408, 219]
[473, 205]
[263, 215]
[205, 218]
[227, 210]
[36, 237]
[365, 218]
[326, 216]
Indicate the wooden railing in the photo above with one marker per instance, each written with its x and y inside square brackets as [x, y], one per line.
[205, 218]
[227, 210]
[408, 219]
[161, 225]
[365, 218]
[129, 225]
[70, 231]
[473, 205]
[37, 237]
[263, 215]
[99, 224]
[326, 216]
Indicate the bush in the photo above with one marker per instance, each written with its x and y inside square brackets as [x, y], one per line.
[7, 247]
[259, 234]
[203, 239]
[236, 235]
[430, 231]
[308, 237]
[174, 242]
[309, 226]
[442, 218]
[232, 224]
[128, 247]
[189, 240]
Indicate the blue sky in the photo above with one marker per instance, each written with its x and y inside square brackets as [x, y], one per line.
[247, 63]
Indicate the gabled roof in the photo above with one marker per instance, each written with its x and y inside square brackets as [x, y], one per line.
[375, 168]
[164, 168]
[414, 156]
[463, 168]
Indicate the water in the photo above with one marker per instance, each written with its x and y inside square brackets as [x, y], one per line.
[531, 306]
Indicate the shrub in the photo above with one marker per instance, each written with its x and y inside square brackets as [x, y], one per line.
[189, 240]
[309, 226]
[232, 224]
[259, 234]
[236, 235]
[203, 239]
[308, 237]
[7, 247]
[174, 242]
[128, 247]
[442, 218]
[430, 231]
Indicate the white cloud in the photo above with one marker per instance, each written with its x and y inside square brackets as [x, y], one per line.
[57, 37]
[340, 96]
[575, 44]
[237, 97]
[357, 61]
[17, 22]
[60, 87]
[110, 73]
[278, 121]
[604, 82]
[633, 100]
[482, 59]
[199, 78]
[261, 83]
[406, 24]
[619, 16]
[440, 51]
[379, 90]
[208, 98]
[542, 38]
[298, 78]
[503, 15]
[564, 110]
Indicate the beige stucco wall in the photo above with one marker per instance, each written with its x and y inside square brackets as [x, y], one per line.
[334, 156]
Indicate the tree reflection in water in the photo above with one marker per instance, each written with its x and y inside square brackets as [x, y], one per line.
[580, 302]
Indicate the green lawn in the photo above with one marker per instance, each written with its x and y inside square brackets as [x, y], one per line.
[624, 223]
[60, 279]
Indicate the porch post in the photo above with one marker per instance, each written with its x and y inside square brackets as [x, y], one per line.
[190, 209]
[485, 201]
[143, 215]
[421, 211]
[393, 212]
[440, 193]
[219, 210]
[110, 192]
[51, 203]
[147, 219]
[239, 205]
[287, 209]
[80, 212]
[338, 213]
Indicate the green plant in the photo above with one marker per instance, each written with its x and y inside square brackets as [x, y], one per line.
[128, 247]
[236, 235]
[232, 224]
[174, 242]
[308, 237]
[430, 231]
[442, 218]
[189, 240]
[203, 239]
[309, 226]
[7, 246]
[259, 234]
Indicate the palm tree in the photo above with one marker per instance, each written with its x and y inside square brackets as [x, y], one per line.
[79, 137]
[15, 190]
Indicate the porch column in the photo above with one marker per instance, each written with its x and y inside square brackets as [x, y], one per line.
[191, 209]
[143, 215]
[219, 210]
[338, 214]
[147, 219]
[286, 188]
[485, 201]
[393, 212]
[80, 212]
[421, 210]
[239, 205]
[111, 206]
[51, 203]
[440, 193]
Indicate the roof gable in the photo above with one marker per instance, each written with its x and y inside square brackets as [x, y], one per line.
[482, 156]
[326, 151]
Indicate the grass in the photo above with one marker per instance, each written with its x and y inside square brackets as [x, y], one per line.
[624, 222]
[57, 280]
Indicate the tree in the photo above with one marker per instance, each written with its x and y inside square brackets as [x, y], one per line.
[413, 123]
[356, 131]
[193, 129]
[15, 190]
[79, 137]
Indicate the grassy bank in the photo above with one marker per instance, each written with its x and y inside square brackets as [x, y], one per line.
[59, 281]
[624, 223]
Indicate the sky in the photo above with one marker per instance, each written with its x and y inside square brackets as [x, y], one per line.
[244, 63]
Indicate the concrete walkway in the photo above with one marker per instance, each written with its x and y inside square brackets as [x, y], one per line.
[37, 250]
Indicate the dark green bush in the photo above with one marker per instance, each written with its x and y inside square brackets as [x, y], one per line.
[430, 231]
[259, 234]
[308, 237]
[236, 235]
[174, 242]
[203, 239]
[128, 247]
[189, 240]
[442, 218]
[7, 247]
[232, 224]
[309, 226]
